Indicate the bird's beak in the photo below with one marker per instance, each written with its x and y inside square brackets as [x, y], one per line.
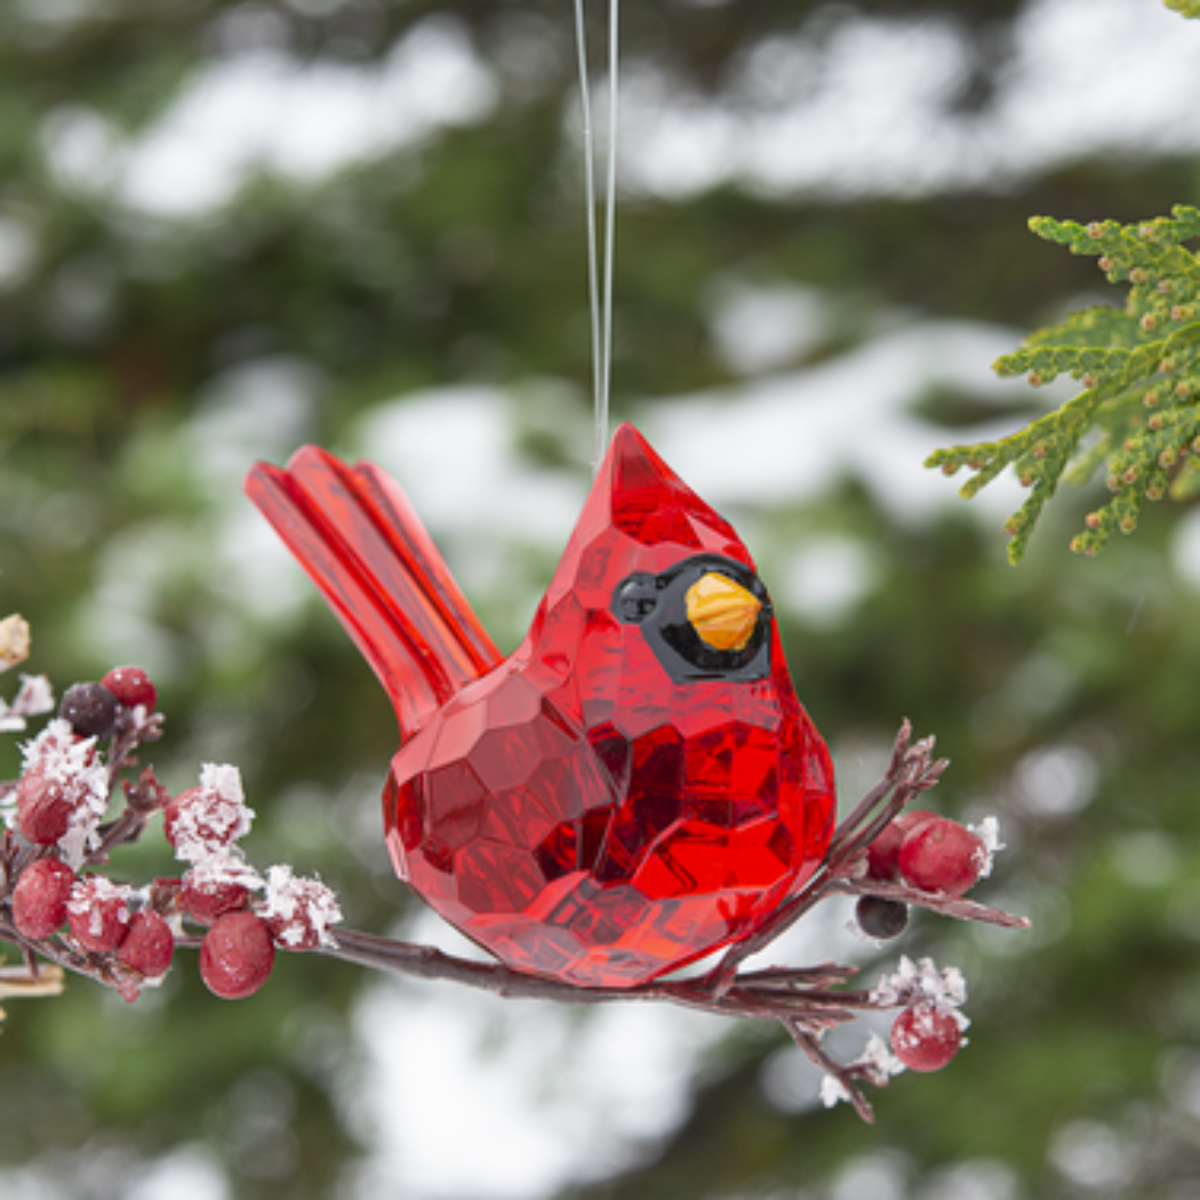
[722, 613]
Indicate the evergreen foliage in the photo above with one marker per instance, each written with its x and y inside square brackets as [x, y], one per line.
[1140, 370]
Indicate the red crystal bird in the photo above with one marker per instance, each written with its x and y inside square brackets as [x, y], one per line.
[637, 784]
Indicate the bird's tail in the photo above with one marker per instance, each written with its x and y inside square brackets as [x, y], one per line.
[358, 537]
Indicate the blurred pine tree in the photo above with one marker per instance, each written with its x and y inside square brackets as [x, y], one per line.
[146, 355]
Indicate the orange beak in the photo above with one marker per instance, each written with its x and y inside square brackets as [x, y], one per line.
[722, 612]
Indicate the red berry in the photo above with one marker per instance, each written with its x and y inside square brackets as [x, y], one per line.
[43, 808]
[204, 820]
[149, 944]
[884, 852]
[98, 912]
[941, 856]
[173, 811]
[297, 911]
[914, 818]
[926, 1037]
[236, 956]
[40, 898]
[205, 901]
[132, 686]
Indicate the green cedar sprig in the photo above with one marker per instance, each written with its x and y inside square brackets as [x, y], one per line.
[1140, 371]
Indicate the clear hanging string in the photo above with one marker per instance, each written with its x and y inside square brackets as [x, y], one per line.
[600, 265]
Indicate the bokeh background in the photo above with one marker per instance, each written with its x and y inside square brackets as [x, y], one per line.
[230, 227]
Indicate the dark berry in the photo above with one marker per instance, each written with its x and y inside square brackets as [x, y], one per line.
[90, 708]
[880, 918]
[206, 901]
[39, 900]
[43, 809]
[926, 1037]
[236, 956]
[131, 686]
[149, 944]
[941, 856]
[98, 912]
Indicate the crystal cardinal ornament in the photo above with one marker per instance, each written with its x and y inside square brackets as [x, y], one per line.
[637, 784]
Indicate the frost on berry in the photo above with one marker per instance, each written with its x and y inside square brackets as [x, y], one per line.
[132, 687]
[217, 884]
[942, 856]
[208, 819]
[298, 912]
[148, 946]
[988, 832]
[926, 1037]
[39, 900]
[65, 786]
[912, 982]
[236, 956]
[98, 912]
[928, 1034]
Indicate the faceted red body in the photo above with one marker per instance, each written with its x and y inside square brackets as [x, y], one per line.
[579, 809]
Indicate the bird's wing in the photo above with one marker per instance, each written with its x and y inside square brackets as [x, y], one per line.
[356, 534]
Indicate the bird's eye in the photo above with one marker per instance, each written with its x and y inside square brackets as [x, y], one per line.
[707, 618]
[637, 597]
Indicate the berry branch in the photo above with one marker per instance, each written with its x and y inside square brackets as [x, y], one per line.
[58, 904]
[943, 861]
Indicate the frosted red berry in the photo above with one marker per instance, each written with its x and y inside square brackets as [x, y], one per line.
[926, 1037]
[43, 808]
[236, 956]
[148, 946]
[131, 686]
[204, 819]
[298, 912]
[98, 913]
[40, 897]
[883, 855]
[205, 901]
[942, 856]
[90, 708]
[880, 918]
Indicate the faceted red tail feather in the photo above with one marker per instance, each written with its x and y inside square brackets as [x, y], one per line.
[355, 533]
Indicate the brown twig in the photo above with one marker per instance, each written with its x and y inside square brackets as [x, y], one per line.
[806, 1001]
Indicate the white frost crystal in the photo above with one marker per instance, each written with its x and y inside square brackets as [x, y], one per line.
[212, 816]
[988, 832]
[299, 910]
